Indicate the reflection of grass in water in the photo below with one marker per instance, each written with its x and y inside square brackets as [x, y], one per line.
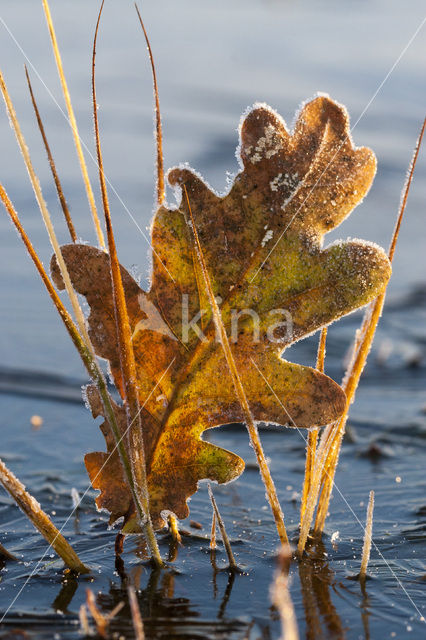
[322, 454]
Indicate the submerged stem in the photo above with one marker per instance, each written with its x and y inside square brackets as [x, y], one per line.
[40, 520]
[225, 539]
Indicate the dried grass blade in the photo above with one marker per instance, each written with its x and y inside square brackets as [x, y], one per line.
[125, 347]
[362, 346]
[58, 185]
[239, 389]
[40, 520]
[44, 210]
[213, 543]
[85, 351]
[226, 542]
[161, 193]
[312, 439]
[73, 124]
[368, 538]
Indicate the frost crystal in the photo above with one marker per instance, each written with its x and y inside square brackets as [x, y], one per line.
[267, 146]
[268, 235]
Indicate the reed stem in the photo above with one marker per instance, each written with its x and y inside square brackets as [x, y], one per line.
[312, 439]
[368, 538]
[52, 165]
[362, 345]
[73, 124]
[226, 542]
[161, 192]
[125, 349]
[40, 520]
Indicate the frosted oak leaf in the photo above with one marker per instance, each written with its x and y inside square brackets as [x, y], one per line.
[291, 190]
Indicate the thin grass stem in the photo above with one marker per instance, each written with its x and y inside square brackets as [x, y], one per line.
[86, 353]
[161, 192]
[239, 389]
[58, 185]
[213, 543]
[225, 539]
[125, 348]
[73, 124]
[44, 210]
[362, 345]
[368, 538]
[312, 439]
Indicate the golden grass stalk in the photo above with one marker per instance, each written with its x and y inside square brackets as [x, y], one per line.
[73, 124]
[239, 389]
[85, 351]
[362, 345]
[136, 614]
[44, 210]
[280, 596]
[125, 349]
[321, 456]
[52, 165]
[226, 542]
[81, 340]
[40, 520]
[312, 439]
[213, 543]
[368, 538]
[161, 193]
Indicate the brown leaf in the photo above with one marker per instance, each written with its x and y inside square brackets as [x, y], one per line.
[263, 246]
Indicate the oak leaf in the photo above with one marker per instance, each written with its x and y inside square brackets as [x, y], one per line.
[262, 243]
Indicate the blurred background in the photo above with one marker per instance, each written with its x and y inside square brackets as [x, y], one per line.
[213, 60]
